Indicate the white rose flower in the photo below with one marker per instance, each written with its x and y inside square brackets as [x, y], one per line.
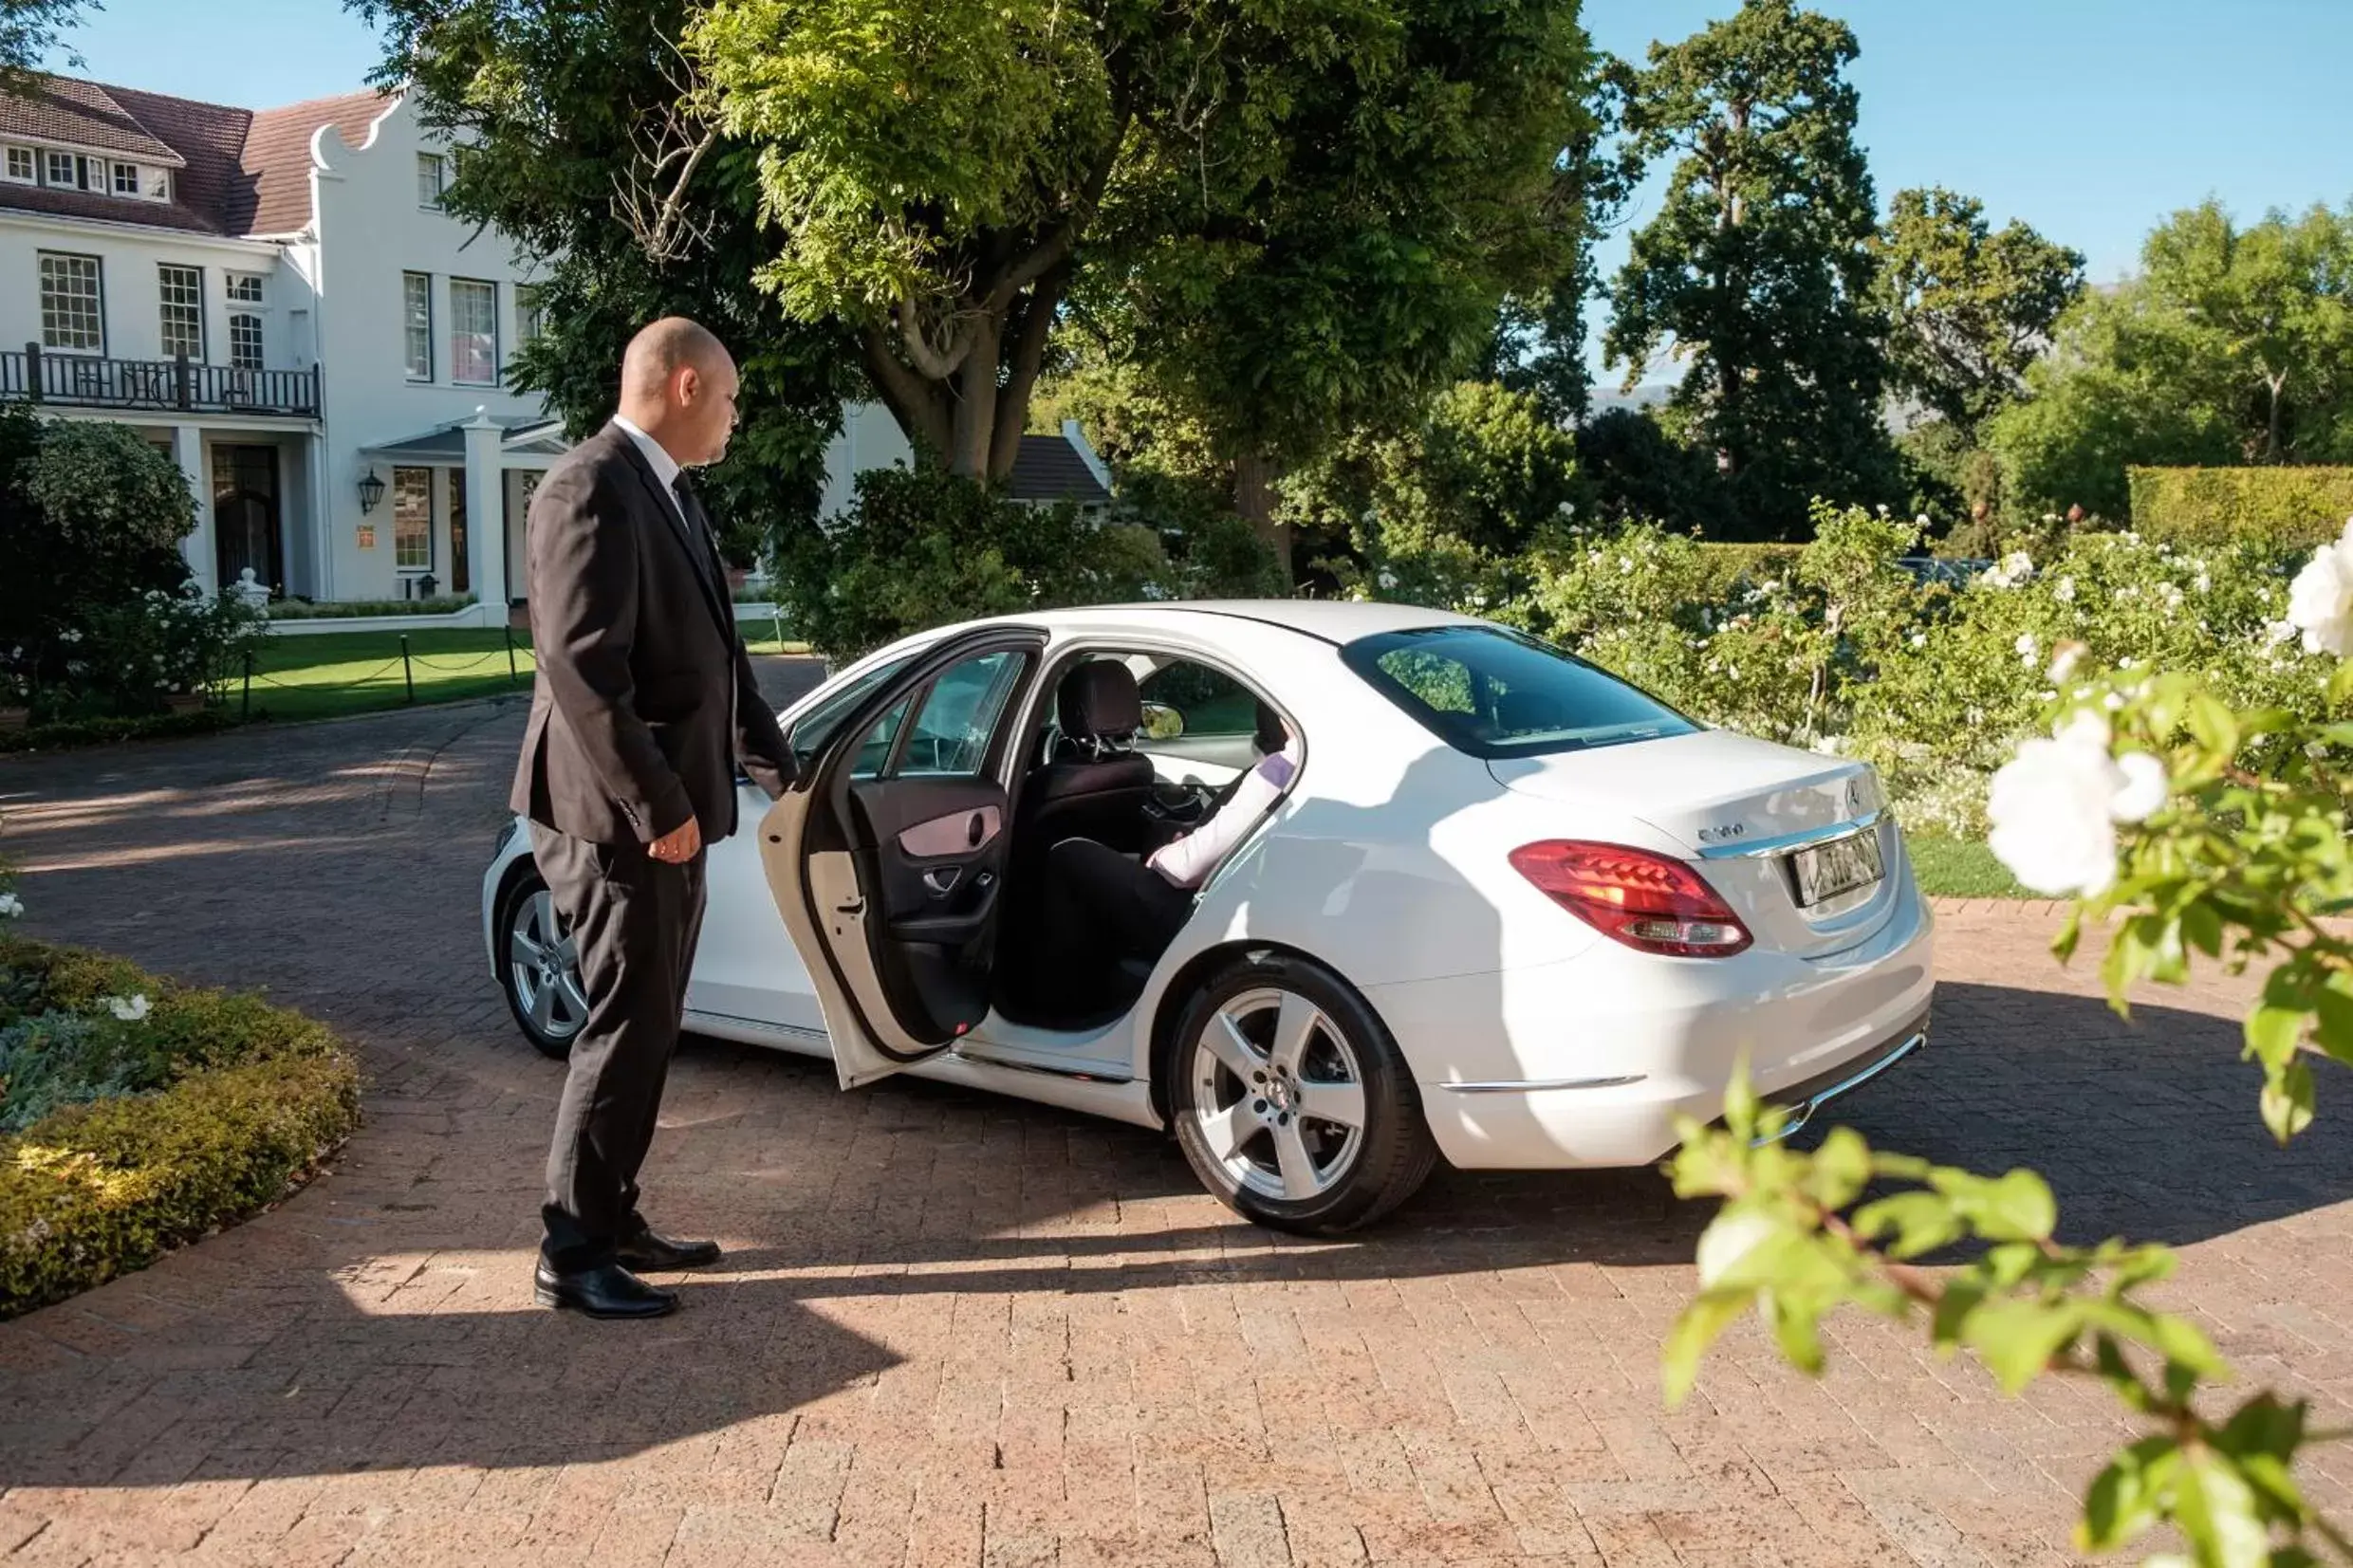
[2055, 804]
[128, 1008]
[2063, 659]
[2277, 632]
[1626, 565]
[2013, 569]
[1919, 639]
[1922, 520]
[1388, 581]
[12, 906]
[2319, 602]
[2027, 647]
[2064, 591]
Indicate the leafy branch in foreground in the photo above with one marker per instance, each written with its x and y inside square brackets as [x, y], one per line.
[1796, 1240]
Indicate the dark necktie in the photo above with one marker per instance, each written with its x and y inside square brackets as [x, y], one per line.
[698, 524]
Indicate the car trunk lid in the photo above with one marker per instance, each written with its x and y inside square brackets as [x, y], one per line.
[1742, 809]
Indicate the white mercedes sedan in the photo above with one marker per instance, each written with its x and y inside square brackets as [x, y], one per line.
[1509, 910]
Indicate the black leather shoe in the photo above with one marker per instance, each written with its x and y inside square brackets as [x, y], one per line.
[648, 1251]
[608, 1290]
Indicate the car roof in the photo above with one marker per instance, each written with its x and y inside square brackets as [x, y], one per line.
[1330, 620]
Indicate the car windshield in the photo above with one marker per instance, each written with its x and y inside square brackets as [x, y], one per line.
[811, 729]
[1494, 693]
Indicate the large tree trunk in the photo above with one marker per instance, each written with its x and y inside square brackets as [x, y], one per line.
[1255, 473]
[2272, 430]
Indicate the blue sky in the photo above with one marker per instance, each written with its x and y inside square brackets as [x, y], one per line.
[2089, 119]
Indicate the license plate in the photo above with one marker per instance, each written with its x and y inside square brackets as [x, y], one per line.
[1823, 872]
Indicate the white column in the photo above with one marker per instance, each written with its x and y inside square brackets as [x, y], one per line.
[197, 548]
[486, 496]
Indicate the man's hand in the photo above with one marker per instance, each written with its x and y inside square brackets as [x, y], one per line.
[679, 845]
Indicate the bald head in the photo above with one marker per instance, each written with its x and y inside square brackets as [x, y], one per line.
[678, 384]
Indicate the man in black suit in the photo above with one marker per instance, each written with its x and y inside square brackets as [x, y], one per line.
[643, 703]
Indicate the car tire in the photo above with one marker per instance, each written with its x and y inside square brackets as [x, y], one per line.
[1273, 1059]
[544, 991]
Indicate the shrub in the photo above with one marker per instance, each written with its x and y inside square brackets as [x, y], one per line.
[65, 733]
[191, 1116]
[298, 609]
[2277, 508]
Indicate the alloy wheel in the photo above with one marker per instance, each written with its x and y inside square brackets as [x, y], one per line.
[1278, 1095]
[543, 965]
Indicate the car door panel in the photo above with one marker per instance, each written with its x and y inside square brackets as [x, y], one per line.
[746, 965]
[884, 858]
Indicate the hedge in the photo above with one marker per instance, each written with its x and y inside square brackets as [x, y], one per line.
[256, 1097]
[2289, 508]
[348, 609]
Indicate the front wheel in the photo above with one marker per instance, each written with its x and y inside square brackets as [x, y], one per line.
[540, 969]
[1293, 1103]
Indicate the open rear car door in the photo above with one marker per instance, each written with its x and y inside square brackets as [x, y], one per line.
[886, 857]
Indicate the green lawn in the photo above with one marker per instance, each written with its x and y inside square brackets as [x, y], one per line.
[1960, 868]
[340, 673]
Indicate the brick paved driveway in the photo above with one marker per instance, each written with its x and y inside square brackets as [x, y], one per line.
[955, 1329]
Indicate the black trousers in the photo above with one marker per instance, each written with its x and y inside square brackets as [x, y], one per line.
[1102, 906]
[635, 921]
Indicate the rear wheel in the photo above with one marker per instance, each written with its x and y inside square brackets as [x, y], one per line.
[540, 969]
[1293, 1103]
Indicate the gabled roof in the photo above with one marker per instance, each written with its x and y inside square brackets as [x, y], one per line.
[275, 159]
[234, 171]
[1048, 468]
[81, 114]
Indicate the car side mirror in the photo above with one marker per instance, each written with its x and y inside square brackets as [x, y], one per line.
[1162, 722]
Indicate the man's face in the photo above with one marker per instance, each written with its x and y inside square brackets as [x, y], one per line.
[705, 396]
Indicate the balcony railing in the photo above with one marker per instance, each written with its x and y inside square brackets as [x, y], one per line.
[45, 376]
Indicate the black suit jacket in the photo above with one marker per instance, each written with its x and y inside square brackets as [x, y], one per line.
[644, 699]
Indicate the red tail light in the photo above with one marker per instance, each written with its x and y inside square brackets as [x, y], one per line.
[1647, 901]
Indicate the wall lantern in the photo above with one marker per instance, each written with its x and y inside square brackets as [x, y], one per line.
[371, 492]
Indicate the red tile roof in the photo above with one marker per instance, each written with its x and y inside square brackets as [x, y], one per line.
[234, 171]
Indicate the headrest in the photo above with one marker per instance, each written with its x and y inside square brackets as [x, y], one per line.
[1098, 699]
[1527, 713]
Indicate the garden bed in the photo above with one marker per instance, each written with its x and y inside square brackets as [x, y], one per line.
[137, 1114]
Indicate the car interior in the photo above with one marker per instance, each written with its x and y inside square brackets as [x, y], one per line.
[1133, 749]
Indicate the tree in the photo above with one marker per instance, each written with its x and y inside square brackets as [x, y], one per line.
[1307, 206]
[1968, 309]
[1759, 265]
[563, 115]
[28, 31]
[2233, 347]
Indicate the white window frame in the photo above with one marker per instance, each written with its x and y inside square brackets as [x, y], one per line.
[166, 303]
[245, 287]
[416, 335]
[244, 331]
[156, 185]
[398, 484]
[97, 296]
[31, 162]
[72, 169]
[461, 339]
[117, 173]
[437, 167]
[531, 313]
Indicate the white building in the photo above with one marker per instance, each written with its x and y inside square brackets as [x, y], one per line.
[277, 299]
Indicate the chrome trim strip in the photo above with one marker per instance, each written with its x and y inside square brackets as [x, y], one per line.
[1535, 1085]
[1076, 1074]
[1800, 1115]
[1864, 823]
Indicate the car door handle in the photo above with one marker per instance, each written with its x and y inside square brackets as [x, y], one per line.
[942, 880]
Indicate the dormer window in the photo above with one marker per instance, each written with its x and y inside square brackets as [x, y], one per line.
[22, 169]
[126, 179]
[63, 170]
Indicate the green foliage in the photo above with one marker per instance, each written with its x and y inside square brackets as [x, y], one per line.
[1967, 308]
[1759, 265]
[2233, 347]
[64, 734]
[28, 31]
[921, 548]
[352, 609]
[1640, 473]
[2283, 508]
[121, 1137]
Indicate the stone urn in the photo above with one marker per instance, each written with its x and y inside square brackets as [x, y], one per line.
[184, 702]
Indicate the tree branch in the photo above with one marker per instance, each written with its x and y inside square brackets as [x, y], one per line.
[911, 399]
[1026, 360]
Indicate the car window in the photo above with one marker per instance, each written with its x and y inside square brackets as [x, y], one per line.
[812, 728]
[1211, 702]
[958, 712]
[1494, 693]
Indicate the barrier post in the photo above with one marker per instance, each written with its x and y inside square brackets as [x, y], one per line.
[408, 676]
[507, 630]
[246, 710]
